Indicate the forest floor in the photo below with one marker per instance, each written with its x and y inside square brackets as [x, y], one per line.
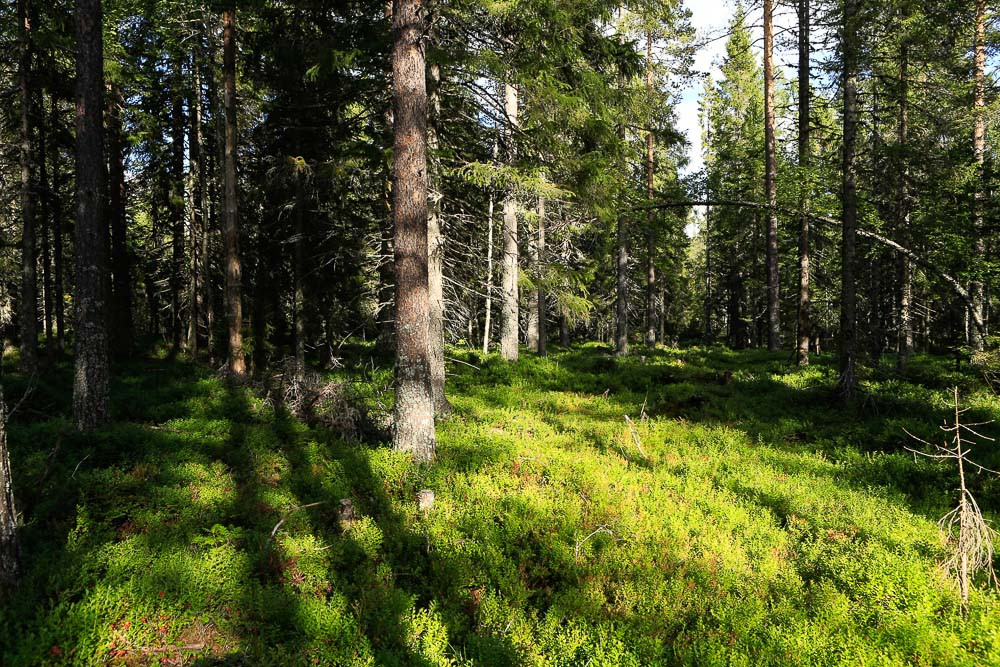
[742, 518]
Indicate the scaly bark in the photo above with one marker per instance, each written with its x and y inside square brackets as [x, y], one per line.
[234, 268]
[414, 406]
[770, 191]
[28, 307]
[650, 232]
[848, 291]
[804, 323]
[91, 370]
[509, 289]
[10, 546]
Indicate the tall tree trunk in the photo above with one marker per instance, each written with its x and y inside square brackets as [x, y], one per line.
[10, 546]
[91, 373]
[489, 276]
[541, 298]
[509, 321]
[848, 290]
[57, 234]
[435, 250]
[804, 323]
[651, 292]
[234, 269]
[299, 305]
[45, 205]
[531, 323]
[905, 344]
[770, 176]
[121, 283]
[196, 187]
[414, 406]
[979, 154]
[29, 279]
[177, 209]
[708, 275]
[621, 290]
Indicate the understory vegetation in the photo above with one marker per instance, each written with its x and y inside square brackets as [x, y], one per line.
[735, 518]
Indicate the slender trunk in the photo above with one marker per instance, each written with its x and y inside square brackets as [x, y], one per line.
[509, 323]
[770, 176]
[979, 154]
[29, 280]
[489, 276]
[650, 232]
[299, 305]
[563, 331]
[543, 329]
[905, 344]
[196, 187]
[414, 407]
[234, 270]
[435, 250]
[121, 283]
[621, 290]
[708, 275]
[45, 205]
[90, 382]
[177, 209]
[531, 320]
[10, 546]
[57, 234]
[848, 295]
[804, 324]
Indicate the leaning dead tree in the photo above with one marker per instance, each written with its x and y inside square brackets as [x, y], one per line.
[919, 260]
[967, 533]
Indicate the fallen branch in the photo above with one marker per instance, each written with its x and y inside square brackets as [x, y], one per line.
[635, 436]
[285, 518]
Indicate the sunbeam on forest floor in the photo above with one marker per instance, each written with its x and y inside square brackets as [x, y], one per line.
[739, 516]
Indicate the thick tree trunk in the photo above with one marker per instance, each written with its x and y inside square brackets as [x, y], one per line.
[848, 294]
[979, 154]
[57, 235]
[509, 321]
[10, 547]
[905, 336]
[90, 382]
[435, 251]
[121, 283]
[234, 269]
[770, 176]
[414, 407]
[804, 320]
[541, 299]
[28, 307]
[651, 291]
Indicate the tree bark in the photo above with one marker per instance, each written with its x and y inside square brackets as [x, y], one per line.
[621, 290]
[45, 209]
[905, 340]
[234, 269]
[543, 329]
[57, 235]
[531, 323]
[489, 277]
[848, 290]
[299, 305]
[414, 406]
[435, 251]
[770, 176]
[28, 309]
[177, 200]
[509, 322]
[979, 154]
[650, 232]
[91, 372]
[10, 546]
[121, 283]
[804, 319]
[196, 222]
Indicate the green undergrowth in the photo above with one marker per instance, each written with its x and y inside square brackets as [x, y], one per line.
[745, 517]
